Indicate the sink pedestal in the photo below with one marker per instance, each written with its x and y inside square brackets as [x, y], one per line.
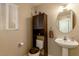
[64, 51]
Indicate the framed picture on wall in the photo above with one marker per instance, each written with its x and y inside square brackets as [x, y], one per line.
[8, 16]
[12, 17]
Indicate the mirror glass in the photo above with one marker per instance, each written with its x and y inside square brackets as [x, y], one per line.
[65, 21]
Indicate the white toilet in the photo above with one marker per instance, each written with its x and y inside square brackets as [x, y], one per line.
[39, 44]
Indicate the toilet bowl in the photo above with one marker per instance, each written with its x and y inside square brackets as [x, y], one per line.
[39, 46]
[35, 54]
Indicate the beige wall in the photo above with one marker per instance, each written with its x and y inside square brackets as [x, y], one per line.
[9, 39]
[52, 11]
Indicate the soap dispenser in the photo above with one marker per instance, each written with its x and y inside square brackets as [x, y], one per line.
[51, 35]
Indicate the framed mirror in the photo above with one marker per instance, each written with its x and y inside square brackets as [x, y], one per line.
[65, 21]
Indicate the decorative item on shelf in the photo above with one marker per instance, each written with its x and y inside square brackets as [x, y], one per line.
[40, 13]
[51, 35]
[35, 12]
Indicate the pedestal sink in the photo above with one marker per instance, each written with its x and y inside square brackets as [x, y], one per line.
[65, 44]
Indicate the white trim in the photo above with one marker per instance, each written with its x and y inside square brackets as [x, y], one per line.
[17, 20]
[1, 25]
[7, 15]
[50, 55]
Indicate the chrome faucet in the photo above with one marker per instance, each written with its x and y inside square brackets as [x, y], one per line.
[65, 38]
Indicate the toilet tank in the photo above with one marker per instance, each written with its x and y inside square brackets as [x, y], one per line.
[39, 43]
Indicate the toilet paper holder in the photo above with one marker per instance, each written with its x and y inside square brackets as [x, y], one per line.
[20, 44]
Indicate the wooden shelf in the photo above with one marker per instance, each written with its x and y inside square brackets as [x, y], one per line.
[40, 26]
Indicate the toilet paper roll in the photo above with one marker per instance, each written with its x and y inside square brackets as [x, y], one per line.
[20, 44]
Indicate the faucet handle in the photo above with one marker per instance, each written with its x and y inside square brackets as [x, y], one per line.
[65, 38]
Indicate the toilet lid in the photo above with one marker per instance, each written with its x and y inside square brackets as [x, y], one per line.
[34, 50]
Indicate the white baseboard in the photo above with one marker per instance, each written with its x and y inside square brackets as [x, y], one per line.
[49, 55]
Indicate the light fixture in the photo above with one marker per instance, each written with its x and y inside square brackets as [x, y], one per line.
[68, 6]
[61, 8]
[65, 7]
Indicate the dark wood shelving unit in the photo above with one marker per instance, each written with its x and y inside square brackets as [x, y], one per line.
[40, 26]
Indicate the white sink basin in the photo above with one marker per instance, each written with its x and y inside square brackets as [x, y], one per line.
[66, 43]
